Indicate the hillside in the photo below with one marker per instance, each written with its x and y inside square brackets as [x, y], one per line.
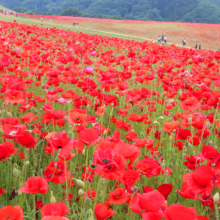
[206, 11]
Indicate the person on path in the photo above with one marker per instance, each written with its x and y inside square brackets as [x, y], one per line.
[41, 19]
[165, 39]
[184, 42]
[159, 39]
[200, 47]
[162, 38]
[196, 45]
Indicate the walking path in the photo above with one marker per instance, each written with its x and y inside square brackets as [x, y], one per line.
[105, 32]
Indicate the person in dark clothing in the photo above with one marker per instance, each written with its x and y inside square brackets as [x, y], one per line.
[184, 42]
[196, 45]
[200, 47]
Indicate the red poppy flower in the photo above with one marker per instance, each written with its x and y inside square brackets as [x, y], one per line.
[11, 213]
[56, 172]
[148, 167]
[169, 126]
[39, 204]
[89, 136]
[194, 161]
[150, 203]
[180, 212]
[7, 149]
[102, 212]
[201, 180]
[190, 104]
[129, 178]
[128, 151]
[54, 209]
[186, 192]
[35, 185]
[13, 131]
[109, 164]
[54, 218]
[77, 117]
[118, 196]
[27, 140]
[165, 189]
[2, 191]
[90, 193]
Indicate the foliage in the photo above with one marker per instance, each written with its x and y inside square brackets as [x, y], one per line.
[158, 10]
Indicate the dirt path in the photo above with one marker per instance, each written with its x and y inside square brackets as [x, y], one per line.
[106, 32]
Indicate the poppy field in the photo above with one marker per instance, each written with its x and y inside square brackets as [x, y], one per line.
[207, 35]
[93, 127]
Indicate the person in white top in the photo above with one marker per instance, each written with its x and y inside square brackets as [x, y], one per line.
[159, 39]
[41, 19]
[165, 39]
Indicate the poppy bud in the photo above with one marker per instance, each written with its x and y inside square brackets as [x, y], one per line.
[174, 130]
[87, 201]
[208, 124]
[8, 114]
[70, 133]
[30, 131]
[52, 198]
[26, 163]
[74, 129]
[190, 120]
[105, 132]
[213, 164]
[216, 198]
[1, 131]
[80, 183]
[155, 122]
[16, 172]
[80, 193]
[190, 145]
[19, 193]
[210, 142]
[83, 151]
[74, 216]
[56, 159]
[161, 117]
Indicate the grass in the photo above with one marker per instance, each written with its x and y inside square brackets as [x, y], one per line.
[23, 20]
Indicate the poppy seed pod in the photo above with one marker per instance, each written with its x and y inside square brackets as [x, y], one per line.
[80, 193]
[52, 198]
[216, 198]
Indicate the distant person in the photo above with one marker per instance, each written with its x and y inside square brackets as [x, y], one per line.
[196, 45]
[41, 19]
[165, 39]
[159, 39]
[50, 20]
[200, 47]
[77, 25]
[184, 42]
[162, 38]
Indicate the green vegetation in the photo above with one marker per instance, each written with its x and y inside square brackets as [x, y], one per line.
[206, 11]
